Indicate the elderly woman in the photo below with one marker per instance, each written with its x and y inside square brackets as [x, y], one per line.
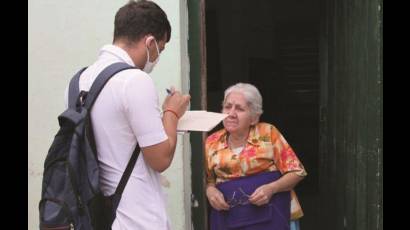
[251, 169]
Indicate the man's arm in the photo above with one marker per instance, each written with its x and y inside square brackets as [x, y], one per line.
[160, 156]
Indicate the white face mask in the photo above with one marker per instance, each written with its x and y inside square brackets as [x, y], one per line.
[149, 66]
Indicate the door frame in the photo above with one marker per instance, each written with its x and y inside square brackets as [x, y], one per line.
[198, 92]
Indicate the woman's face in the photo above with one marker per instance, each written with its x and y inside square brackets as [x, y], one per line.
[240, 118]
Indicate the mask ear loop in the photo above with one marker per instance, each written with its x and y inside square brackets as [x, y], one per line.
[146, 47]
[155, 42]
[148, 40]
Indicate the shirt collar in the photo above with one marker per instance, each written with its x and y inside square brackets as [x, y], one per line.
[119, 53]
[253, 138]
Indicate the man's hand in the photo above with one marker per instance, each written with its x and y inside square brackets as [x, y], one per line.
[176, 102]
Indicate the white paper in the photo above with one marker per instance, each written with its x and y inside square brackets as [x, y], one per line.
[199, 120]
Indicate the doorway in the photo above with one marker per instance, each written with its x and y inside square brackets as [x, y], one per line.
[273, 45]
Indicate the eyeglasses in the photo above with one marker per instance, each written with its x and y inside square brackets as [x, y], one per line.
[241, 199]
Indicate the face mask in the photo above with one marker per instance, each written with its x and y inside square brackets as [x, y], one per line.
[150, 65]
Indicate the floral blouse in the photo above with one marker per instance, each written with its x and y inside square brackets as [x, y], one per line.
[266, 151]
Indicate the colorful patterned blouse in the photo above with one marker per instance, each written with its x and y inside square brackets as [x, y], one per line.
[266, 150]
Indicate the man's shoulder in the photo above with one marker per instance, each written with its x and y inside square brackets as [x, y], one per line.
[128, 76]
[133, 74]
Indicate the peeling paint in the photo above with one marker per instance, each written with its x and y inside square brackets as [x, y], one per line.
[33, 173]
[164, 181]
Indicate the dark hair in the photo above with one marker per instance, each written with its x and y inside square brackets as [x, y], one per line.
[138, 18]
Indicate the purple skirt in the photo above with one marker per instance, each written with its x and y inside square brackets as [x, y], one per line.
[245, 216]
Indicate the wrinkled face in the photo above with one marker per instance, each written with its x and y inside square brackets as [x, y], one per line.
[240, 117]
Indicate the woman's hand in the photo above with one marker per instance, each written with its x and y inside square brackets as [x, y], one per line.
[262, 194]
[216, 198]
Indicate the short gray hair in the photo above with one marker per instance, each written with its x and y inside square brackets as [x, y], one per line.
[251, 94]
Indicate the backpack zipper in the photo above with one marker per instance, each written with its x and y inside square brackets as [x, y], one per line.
[75, 188]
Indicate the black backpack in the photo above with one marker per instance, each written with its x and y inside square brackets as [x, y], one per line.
[71, 197]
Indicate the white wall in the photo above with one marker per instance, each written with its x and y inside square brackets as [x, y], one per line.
[66, 35]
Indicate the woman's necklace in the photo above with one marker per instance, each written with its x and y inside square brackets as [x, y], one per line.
[237, 149]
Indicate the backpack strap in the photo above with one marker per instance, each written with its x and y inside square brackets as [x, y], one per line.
[74, 88]
[127, 173]
[102, 79]
[96, 88]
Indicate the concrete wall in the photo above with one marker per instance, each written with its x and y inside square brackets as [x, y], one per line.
[66, 35]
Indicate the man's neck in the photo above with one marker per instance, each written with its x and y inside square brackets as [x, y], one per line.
[134, 51]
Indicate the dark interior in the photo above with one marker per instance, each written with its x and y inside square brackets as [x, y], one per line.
[272, 44]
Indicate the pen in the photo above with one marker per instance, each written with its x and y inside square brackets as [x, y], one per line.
[169, 92]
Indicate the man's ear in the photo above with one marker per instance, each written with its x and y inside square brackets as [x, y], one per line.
[149, 40]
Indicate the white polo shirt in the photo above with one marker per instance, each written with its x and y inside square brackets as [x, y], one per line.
[127, 111]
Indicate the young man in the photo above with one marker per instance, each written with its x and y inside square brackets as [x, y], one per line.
[127, 112]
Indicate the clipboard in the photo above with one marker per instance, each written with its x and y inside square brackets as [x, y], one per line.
[199, 120]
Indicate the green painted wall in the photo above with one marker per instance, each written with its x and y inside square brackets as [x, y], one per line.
[351, 157]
